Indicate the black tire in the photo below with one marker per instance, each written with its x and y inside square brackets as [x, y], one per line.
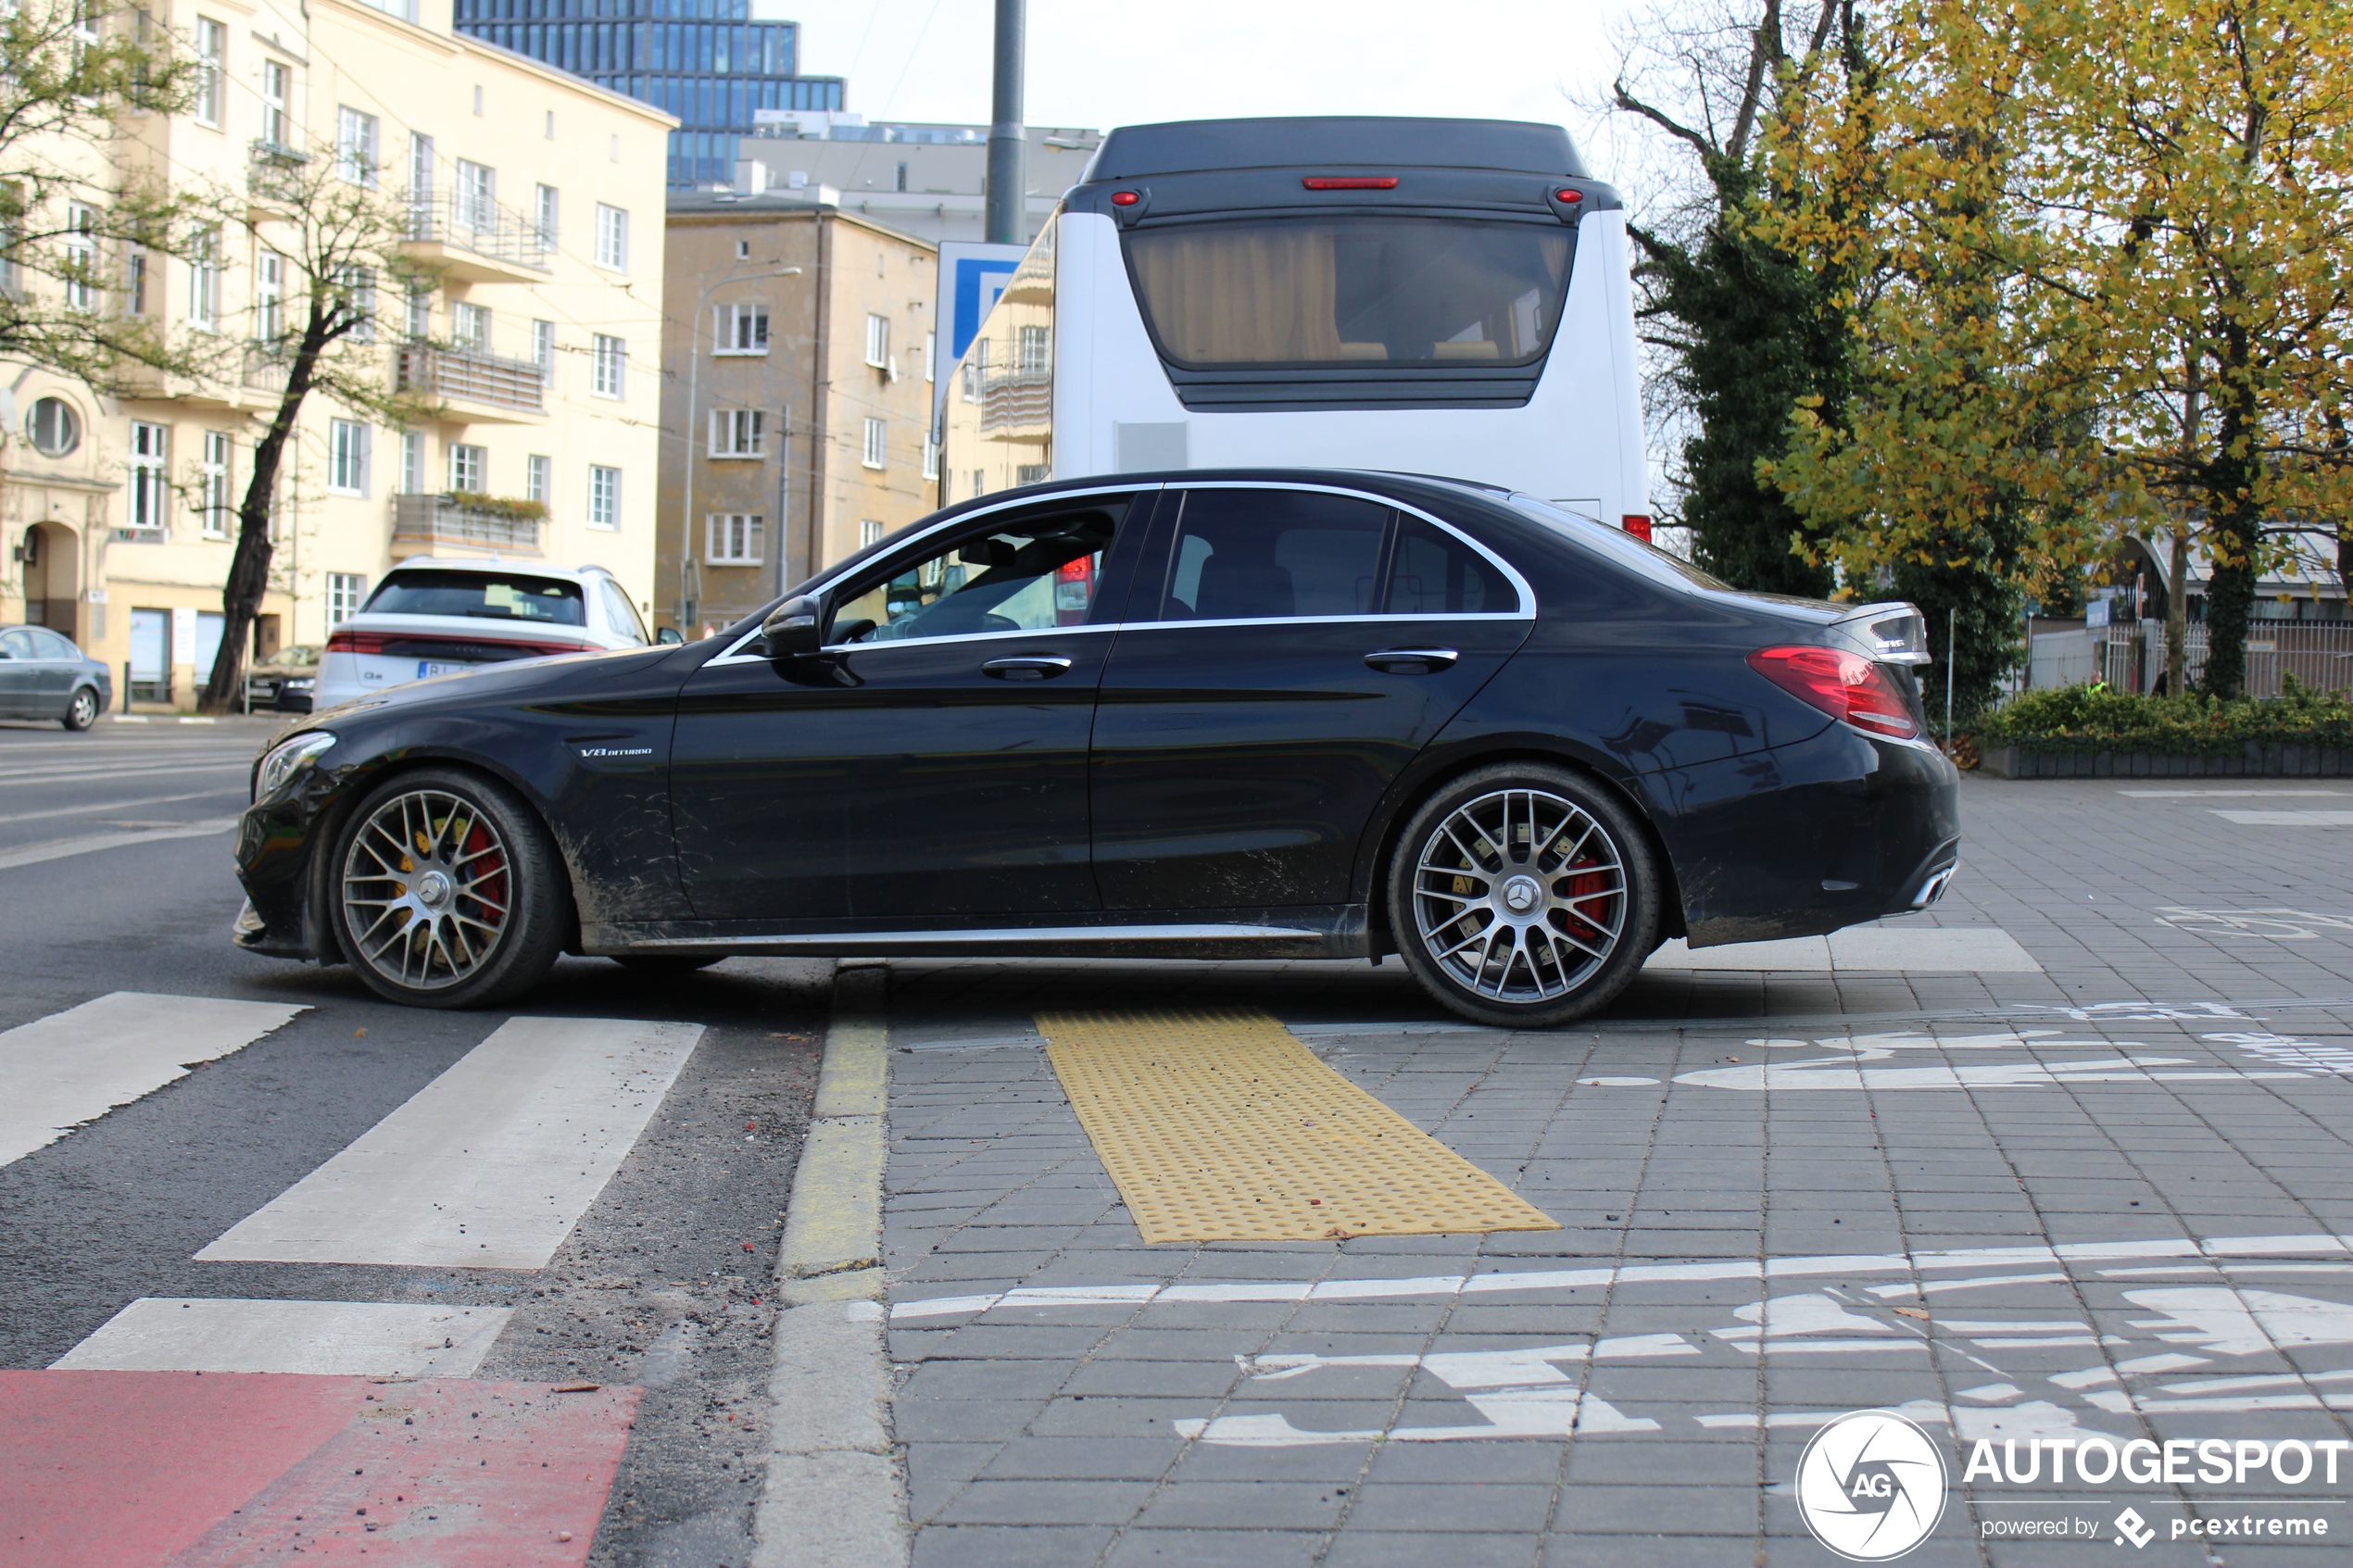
[492, 927]
[81, 711]
[653, 964]
[1486, 841]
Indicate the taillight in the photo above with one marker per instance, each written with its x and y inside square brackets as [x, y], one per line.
[1124, 198]
[1351, 182]
[1567, 196]
[1638, 525]
[1844, 685]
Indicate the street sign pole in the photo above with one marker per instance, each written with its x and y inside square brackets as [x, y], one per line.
[1008, 209]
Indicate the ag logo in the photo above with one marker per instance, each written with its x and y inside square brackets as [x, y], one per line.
[1872, 1486]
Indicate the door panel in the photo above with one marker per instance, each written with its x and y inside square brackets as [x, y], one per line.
[932, 761]
[19, 671]
[1235, 764]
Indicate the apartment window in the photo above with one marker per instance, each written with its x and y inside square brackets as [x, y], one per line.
[734, 539]
[477, 197]
[347, 457]
[734, 432]
[276, 81]
[931, 356]
[355, 146]
[269, 296]
[931, 456]
[359, 298]
[543, 214]
[419, 184]
[604, 496]
[877, 341]
[1030, 473]
[419, 313]
[976, 369]
[150, 480]
[875, 429]
[980, 484]
[412, 462]
[550, 131]
[134, 279]
[870, 532]
[345, 591]
[212, 40]
[543, 349]
[213, 504]
[1033, 349]
[81, 257]
[743, 250]
[536, 472]
[613, 238]
[470, 326]
[739, 329]
[203, 282]
[606, 361]
[468, 464]
[477, 97]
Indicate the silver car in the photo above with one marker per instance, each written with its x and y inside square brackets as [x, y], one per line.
[42, 675]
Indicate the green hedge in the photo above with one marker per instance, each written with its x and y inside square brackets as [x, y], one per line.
[2093, 718]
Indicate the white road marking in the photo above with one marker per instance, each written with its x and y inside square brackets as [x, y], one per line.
[1970, 949]
[2288, 819]
[1519, 1393]
[88, 809]
[2226, 1321]
[74, 1066]
[491, 1164]
[98, 770]
[61, 848]
[1850, 1069]
[348, 1339]
[2217, 794]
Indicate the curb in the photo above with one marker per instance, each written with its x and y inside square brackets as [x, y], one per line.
[835, 1496]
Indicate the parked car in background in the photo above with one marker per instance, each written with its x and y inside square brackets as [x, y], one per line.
[432, 616]
[42, 675]
[285, 682]
[1251, 713]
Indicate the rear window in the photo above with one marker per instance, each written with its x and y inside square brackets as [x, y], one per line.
[488, 596]
[1352, 290]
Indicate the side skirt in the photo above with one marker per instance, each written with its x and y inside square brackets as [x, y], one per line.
[1335, 930]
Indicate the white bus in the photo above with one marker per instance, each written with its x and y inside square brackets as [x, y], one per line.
[1443, 297]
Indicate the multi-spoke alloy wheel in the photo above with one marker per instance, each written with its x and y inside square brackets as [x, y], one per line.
[441, 888]
[1523, 895]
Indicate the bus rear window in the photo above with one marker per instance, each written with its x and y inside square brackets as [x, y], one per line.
[490, 596]
[1351, 291]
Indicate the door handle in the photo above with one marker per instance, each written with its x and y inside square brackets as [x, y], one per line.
[1412, 662]
[1027, 667]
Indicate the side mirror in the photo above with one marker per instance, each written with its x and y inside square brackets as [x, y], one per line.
[794, 628]
[669, 636]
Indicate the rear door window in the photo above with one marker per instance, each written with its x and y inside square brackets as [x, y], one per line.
[1258, 555]
[1432, 573]
[483, 595]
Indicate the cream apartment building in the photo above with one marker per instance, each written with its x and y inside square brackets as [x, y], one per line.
[537, 198]
[800, 347]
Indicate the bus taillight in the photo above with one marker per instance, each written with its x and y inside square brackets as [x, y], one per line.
[1073, 588]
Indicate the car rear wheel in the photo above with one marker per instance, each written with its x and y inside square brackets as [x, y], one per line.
[82, 712]
[448, 892]
[1523, 896]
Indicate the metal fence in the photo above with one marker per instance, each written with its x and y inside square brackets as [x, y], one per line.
[477, 378]
[441, 520]
[2130, 657]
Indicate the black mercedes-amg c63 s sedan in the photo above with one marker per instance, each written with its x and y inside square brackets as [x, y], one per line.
[1278, 713]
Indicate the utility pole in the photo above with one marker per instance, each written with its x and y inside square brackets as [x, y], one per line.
[1008, 212]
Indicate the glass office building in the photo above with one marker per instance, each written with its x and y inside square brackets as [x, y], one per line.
[706, 61]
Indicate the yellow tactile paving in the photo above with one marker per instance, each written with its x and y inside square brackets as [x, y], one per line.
[1217, 1125]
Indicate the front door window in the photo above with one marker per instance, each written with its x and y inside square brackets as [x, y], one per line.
[1023, 577]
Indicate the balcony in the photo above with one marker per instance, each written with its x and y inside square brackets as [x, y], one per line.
[266, 368]
[432, 522]
[478, 240]
[475, 385]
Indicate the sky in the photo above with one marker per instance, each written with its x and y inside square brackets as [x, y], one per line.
[1105, 63]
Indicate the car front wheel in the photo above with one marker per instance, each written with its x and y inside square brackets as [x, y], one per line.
[1523, 896]
[447, 893]
[82, 712]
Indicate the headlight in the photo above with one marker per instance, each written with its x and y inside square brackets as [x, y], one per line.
[301, 682]
[287, 759]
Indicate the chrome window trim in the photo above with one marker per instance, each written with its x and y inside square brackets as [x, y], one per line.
[1519, 584]
[1193, 933]
[735, 654]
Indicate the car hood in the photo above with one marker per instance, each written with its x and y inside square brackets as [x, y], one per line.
[516, 681]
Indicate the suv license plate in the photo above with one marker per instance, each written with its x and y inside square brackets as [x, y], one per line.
[431, 667]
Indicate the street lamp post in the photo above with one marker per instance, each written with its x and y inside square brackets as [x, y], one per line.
[686, 561]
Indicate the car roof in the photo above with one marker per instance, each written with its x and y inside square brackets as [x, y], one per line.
[497, 563]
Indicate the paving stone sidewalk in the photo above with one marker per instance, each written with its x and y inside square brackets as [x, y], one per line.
[2101, 1200]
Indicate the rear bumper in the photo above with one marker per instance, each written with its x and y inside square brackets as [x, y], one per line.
[1808, 838]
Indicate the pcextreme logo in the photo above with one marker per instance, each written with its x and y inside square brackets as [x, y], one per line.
[1872, 1486]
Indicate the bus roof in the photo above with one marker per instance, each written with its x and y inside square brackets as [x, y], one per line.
[1186, 147]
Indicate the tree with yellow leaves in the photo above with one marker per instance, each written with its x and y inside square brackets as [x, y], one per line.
[2105, 247]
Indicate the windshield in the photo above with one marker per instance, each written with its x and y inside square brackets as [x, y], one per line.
[489, 596]
[1348, 291]
[1641, 554]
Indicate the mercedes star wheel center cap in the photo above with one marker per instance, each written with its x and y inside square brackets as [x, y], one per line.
[432, 889]
[1520, 895]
